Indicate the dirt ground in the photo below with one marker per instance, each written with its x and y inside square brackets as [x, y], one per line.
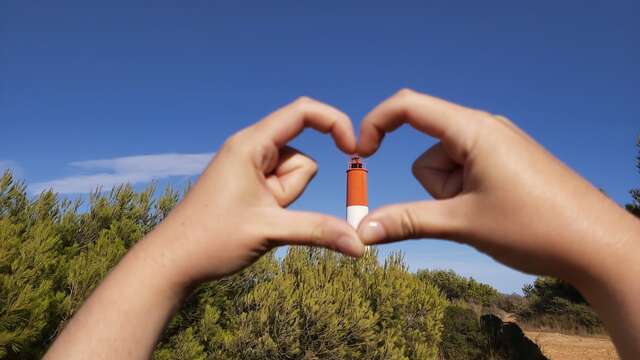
[571, 347]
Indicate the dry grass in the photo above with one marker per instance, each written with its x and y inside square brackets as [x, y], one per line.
[558, 346]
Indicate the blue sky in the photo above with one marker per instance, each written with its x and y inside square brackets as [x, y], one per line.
[118, 91]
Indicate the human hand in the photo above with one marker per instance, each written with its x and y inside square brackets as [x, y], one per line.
[496, 189]
[235, 212]
[230, 217]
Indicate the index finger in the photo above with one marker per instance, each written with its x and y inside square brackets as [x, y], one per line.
[288, 122]
[433, 116]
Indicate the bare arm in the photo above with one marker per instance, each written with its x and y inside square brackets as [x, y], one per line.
[495, 188]
[498, 190]
[233, 215]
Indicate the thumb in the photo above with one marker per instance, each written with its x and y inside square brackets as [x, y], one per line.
[433, 219]
[313, 229]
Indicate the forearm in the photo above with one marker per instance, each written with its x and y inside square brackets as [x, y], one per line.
[612, 286]
[498, 190]
[126, 314]
[232, 215]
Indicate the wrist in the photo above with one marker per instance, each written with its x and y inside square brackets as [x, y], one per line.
[161, 256]
[612, 288]
[185, 251]
[611, 262]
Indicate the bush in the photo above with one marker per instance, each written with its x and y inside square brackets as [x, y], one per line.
[556, 305]
[512, 303]
[52, 256]
[312, 304]
[467, 337]
[462, 337]
[456, 287]
[634, 206]
[320, 305]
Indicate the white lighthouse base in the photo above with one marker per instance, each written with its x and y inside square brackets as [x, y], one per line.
[355, 214]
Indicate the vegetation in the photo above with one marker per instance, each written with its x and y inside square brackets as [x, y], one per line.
[462, 337]
[311, 304]
[465, 336]
[506, 340]
[511, 303]
[634, 206]
[459, 288]
[52, 255]
[556, 305]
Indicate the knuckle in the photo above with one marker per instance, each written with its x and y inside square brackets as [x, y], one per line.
[416, 167]
[303, 104]
[237, 143]
[478, 125]
[505, 121]
[313, 167]
[487, 119]
[501, 118]
[483, 114]
[405, 93]
[318, 232]
[407, 100]
[233, 142]
[490, 126]
[408, 224]
[303, 101]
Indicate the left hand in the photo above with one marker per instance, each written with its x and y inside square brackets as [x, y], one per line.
[235, 212]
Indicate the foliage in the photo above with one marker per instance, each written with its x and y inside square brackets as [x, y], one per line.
[456, 287]
[467, 337]
[29, 297]
[634, 207]
[545, 289]
[315, 304]
[52, 255]
[555, 304]
[511, 303]
[311, 304]
[183, 345]
[462, 337]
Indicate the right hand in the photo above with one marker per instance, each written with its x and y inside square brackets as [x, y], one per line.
[496, 189]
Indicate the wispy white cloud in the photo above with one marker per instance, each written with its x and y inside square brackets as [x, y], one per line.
[107, 173]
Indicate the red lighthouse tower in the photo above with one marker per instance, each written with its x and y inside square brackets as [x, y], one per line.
[357, 196]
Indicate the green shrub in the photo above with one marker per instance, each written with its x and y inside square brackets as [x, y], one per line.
[634, 206]
[456, 287]
[320, 305]
[52, 256]
[462, 337]
[312, 304]
[556, 305]
[182, 346]
[512, 303]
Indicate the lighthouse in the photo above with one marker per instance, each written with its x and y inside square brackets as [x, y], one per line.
[357, 199]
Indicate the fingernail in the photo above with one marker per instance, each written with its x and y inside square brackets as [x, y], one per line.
[349, 245]
[372, 233]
